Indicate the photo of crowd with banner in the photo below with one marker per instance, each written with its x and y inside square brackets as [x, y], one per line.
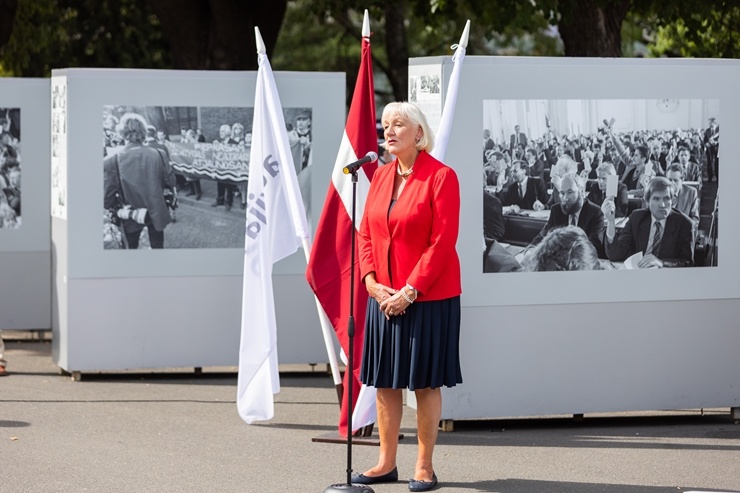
[600, 184]
[176, 177]
[10, 168]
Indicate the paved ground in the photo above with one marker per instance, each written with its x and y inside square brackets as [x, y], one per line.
[201, 226]
[177, 432]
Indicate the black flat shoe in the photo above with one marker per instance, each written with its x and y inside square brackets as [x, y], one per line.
[390, 477]
[419, 485]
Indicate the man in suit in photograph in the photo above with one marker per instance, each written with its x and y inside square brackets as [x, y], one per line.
[685, 197]
[654, 146]
[691, 170]
[224, 190]
[575, 210]
[663, 234]
[496, 172]
[536, 165]
[518, 138]
[493, 218]
[495, 257]
[711, 144]
[524, 192]
[597, 192]
[488, 143]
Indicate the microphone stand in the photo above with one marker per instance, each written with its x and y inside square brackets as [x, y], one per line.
[349, 486]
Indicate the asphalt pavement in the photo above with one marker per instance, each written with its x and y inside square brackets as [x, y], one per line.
[177, 431]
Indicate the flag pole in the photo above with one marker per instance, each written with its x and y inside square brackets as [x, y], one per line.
[327, 330]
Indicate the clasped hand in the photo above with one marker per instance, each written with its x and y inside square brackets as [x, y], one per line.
[390, 300]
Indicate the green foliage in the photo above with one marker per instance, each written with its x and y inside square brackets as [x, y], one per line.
[325, 35]
[716, 34]
[50, 34]
[315, 41]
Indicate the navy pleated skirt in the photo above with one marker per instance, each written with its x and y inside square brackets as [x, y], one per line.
[417, 350]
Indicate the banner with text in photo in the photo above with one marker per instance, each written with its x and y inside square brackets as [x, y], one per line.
[217, 160]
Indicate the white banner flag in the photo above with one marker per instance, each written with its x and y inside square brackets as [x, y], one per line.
[448, 113]
[276, 227]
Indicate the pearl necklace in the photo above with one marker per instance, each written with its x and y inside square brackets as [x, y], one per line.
[404, 174]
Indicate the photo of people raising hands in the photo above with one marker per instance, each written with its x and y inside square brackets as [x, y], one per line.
[612, 168]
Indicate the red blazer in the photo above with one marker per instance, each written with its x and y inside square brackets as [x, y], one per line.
[415, 243]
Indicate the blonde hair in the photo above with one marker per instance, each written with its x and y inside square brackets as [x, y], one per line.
[413, 114]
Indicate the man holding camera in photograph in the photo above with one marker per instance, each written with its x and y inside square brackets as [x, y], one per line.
[136, 180]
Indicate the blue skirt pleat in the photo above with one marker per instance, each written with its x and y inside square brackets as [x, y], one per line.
[417, 350]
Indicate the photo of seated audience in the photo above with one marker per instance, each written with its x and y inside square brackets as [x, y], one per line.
[609, 153]
[10, 168]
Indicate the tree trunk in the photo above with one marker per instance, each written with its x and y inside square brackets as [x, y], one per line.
[592, 28]
[218, 35]
[7, 16]
[396, 45]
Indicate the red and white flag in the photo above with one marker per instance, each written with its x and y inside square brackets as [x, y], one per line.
[330, 265]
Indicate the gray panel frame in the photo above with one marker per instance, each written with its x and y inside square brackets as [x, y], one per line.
[25, 283]
[173, 307]
[578, 342]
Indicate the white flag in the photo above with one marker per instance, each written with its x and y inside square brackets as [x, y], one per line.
[448, 113]
[276, 227]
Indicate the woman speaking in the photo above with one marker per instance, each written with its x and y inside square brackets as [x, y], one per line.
[411, 271]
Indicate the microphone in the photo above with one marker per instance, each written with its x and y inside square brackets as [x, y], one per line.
[370, 157]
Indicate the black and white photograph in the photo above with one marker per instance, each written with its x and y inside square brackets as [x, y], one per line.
[424, 86]
[600, 184]
[176, 177]
[10, 168]
[425, 91]
[58, 149]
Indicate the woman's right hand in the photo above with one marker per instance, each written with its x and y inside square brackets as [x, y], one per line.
[380, 292]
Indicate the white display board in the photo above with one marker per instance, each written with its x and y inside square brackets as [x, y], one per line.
[25, 257]
[538, 343]
[179, 305]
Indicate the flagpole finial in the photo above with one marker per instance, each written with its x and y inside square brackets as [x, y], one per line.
[366, 25]
[465, 35]
[260, 44]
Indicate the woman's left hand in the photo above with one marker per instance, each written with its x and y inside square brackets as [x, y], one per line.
[394, 305]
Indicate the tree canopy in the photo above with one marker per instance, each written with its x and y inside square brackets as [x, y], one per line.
[37, 36]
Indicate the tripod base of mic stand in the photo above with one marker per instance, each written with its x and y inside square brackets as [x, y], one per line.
[349, 488]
